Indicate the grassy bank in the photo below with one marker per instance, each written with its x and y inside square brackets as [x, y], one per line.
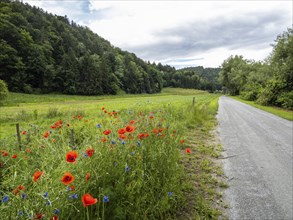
[283, 113]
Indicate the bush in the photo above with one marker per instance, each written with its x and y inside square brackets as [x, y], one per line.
[286, 100]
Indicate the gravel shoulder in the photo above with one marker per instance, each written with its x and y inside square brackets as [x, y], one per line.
[258, 150]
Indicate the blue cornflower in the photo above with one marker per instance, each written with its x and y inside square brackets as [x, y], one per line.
[50, 131]
[74, 147]
[106, 199]
[123, 142]
[127, 168]
[132, 153]
[45, 195]
[20, 213]
[56, 211]
[23, 196]
[115, 164]
[5, 199]
[73, 196]
[170, 193]
[85, 154]
[138, 144]
[98, 125]
[48, 202]
[113, 142]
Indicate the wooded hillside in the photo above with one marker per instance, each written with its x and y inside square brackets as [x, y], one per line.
[42, 53]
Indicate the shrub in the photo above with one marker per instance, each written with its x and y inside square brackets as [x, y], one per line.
[286, 100]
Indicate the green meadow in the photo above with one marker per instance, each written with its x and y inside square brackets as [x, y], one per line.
[110, 157]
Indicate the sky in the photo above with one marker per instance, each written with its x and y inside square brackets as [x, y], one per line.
[182, 33]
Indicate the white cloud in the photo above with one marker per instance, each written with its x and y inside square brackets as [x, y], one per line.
[169, 30]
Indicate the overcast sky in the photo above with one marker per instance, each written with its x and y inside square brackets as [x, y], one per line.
[182, 33]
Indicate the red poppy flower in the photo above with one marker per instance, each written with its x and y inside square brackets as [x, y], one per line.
[37, 175]
[130, 128]
[59, 123]
[72, 188]
[15, 191]
[103, 139]
[106, 132]
[67, 178]
[71, 156]
[182, 141]
[46, 134]
[14, 156]
[103, 108]
[88, 200]
[90, 152]
[155, 131]
[146, 135]
[132, 122]
[55, 217]
[20, 187]
[4, 153]
[53, 126]
[141, 136]
[121, 131]
[87, 177]
[23, 132]
[123, 136]
[188, 150]
[39, 216]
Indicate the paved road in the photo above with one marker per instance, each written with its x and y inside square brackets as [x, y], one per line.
[258, 150]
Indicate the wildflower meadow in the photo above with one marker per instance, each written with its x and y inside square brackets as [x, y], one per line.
[116, 162]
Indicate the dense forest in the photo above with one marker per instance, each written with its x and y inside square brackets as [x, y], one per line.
[192, 78]
[42, 53]
[269, 82]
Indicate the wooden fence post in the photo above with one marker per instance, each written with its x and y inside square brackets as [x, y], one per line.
[193, 101]
[18, 136]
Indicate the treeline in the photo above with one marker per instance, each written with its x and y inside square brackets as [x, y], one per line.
[269, 82]
[191, 78]
[41, 53]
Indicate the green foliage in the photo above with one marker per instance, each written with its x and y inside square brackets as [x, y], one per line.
[267, 83]
[42, 53]
[191, 77]
[3, 90]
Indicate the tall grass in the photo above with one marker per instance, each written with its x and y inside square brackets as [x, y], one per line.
[136, 176]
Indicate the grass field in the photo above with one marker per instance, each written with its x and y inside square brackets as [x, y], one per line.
[283, 113]
[124, 157]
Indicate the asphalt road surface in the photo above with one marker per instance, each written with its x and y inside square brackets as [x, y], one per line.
[257, 161]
